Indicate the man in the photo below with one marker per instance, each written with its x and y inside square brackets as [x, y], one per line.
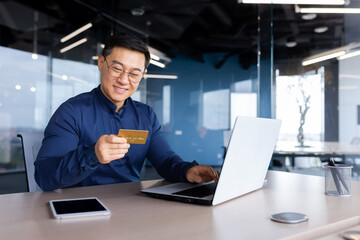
[80, 146]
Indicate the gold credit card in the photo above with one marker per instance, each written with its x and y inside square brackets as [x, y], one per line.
[134, 136]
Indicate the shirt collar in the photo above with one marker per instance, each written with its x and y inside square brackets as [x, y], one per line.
[107, 103]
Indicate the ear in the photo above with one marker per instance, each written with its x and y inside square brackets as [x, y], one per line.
[100, 61]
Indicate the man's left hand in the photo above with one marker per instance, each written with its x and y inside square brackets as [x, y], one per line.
[202, 173]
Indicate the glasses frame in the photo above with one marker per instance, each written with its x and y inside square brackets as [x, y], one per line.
[121, 74]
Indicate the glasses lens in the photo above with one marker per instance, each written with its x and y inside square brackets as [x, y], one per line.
[117, 71]
[135, 76]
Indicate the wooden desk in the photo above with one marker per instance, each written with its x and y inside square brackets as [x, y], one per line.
[135, 216]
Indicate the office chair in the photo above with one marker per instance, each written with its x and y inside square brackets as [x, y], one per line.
[31, 143]
[354, 160]
[226, 139]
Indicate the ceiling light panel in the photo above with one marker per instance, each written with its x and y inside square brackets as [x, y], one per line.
[71, 46]
[76, 32]
[323, 58]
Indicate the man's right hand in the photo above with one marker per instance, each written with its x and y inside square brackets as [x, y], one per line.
[110, 147]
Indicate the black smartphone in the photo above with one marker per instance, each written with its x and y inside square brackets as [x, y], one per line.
[78, 207]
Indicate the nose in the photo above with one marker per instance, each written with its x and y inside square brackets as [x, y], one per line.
[123, 78]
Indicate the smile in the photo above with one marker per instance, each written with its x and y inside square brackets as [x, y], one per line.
[120, 90]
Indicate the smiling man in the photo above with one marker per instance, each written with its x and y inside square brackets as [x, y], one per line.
[80, 146]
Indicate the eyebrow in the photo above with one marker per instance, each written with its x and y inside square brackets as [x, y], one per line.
[120, 63]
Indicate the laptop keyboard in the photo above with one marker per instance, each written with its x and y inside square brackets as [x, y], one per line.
[200, 191]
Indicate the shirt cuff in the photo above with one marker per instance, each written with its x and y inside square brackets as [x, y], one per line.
[190, 165]
[90, 158]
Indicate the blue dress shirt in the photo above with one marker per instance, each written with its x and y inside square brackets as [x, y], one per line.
[67, 156]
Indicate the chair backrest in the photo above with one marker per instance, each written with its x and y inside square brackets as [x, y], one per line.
[31, 143]
[355, 141]
[226, 138]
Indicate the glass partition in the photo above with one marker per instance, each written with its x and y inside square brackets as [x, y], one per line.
[70, 78]
[196, 95]
[201, 104]
[23, 102]
[316, 72]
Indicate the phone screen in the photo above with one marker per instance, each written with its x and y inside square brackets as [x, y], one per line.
[77, 206]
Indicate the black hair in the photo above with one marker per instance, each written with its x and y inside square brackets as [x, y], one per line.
[127, 41]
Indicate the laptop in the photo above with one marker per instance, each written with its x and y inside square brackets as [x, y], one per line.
[250, 148]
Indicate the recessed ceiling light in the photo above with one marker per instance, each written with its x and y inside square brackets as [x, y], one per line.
[290, 42]
[308, 16]
[34, 56]
[137, 11]
[321, 29]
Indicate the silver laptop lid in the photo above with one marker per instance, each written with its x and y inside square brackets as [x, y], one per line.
[248, 156]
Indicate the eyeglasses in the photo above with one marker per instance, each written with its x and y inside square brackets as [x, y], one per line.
[117, 70]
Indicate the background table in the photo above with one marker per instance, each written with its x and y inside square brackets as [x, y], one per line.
[323, 150]
[317, 148]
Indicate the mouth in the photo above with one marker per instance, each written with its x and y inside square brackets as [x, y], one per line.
[120, 90]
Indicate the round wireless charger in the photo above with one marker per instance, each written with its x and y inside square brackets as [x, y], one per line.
[351, 235]
[289, 217]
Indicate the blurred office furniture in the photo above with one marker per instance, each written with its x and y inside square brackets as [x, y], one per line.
[31, 143]
[316, 149]
[226, 140]
[29, 214]
[13, 181]
[340, 152]
[355, 141]
[354, 160]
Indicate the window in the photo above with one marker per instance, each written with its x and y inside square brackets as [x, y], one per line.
[216, 109]
[26, 103]
[243, 101]
[293, 92]
[69, 78]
